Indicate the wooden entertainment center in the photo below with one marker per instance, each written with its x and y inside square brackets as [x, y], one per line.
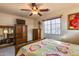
[6, 35]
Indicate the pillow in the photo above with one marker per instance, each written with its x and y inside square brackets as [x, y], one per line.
[70, 38]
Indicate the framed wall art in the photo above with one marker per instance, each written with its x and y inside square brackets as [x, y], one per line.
[73, 21]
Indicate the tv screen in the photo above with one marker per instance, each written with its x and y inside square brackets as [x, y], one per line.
[19, 21]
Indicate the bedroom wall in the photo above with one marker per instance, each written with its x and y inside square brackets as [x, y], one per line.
[8, 19]
[64, 22]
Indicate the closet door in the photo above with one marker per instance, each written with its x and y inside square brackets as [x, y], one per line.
[20, 34]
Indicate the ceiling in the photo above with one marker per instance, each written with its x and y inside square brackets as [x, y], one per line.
[14, 8]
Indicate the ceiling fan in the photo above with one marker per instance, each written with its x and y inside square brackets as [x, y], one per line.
[35, 10]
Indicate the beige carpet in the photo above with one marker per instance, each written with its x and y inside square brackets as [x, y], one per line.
[8, 51]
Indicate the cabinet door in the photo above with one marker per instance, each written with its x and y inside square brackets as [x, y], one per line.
[20, 34]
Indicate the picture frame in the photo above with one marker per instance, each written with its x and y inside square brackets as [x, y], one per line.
[73, 21]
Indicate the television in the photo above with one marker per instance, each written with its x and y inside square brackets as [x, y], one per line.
[20, 21]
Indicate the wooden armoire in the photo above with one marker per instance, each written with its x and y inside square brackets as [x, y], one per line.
[20, 34]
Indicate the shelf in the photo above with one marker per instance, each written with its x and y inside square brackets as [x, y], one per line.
[4, 45]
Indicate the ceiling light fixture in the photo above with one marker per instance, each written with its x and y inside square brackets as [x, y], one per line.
[34, 10]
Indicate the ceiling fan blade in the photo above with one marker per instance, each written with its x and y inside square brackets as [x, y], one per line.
[31, 14]
[39, 14]
[44, 10]
[25, 10]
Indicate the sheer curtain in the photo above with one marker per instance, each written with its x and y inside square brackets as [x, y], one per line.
[52, 28]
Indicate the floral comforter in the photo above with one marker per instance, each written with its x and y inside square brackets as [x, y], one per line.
[49, 47]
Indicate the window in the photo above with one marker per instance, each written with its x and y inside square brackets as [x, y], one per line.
[52, 26]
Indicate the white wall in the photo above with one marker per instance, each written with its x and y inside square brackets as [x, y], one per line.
[8, 19]
[64, 22]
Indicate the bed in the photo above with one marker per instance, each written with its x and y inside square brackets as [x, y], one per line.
[49, 47]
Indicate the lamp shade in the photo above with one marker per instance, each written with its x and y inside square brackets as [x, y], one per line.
[5, 31]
